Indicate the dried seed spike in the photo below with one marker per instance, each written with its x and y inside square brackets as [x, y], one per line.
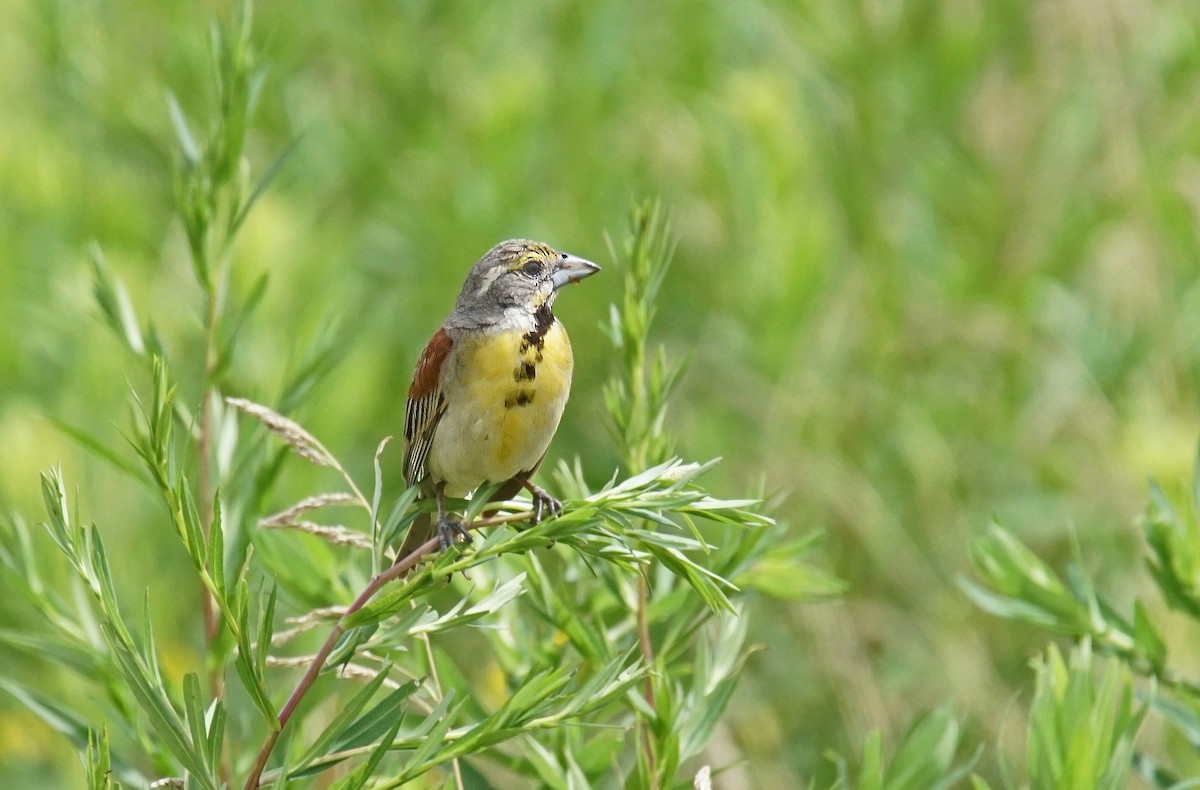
[300, 440]
[289, 515]
[316, 616]
[352, 671]
[306, 622]
[336, 535]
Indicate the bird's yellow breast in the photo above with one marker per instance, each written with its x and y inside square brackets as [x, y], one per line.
[505, 395]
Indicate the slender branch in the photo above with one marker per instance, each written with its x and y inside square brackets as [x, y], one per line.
[644, 634]
[208, 487]
[401, 566]
[204, 450]
[647, 649]
[644, 406]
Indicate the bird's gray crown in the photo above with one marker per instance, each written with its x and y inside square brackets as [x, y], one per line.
[513, 282]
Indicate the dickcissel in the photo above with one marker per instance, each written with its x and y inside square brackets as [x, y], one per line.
[490, 386]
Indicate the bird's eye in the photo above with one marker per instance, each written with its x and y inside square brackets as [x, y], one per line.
[532, 269]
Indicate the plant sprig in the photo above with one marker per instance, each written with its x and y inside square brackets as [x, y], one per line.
[645, 581]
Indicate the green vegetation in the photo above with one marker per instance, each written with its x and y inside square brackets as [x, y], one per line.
[933, 272]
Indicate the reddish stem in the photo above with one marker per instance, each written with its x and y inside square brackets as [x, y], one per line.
[647, 654]
[398, 568]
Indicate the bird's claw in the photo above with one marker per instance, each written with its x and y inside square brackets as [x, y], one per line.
[449, 529]
[544, 504]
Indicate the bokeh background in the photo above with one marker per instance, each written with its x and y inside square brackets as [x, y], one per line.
[936, 265]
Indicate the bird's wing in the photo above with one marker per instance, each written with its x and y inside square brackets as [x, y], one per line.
[425, 406]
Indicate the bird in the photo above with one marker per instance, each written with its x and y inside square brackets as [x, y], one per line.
[490, 387]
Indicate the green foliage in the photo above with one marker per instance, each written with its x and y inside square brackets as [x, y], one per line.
[936, 266]
[562, 645]
[636, 398]
[925, 758]
[1025, 588]
[1082, 731]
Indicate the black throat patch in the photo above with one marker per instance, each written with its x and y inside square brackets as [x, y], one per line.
[529, 357]
[543, 319]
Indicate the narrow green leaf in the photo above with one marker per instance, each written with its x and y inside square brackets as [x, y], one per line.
[113, 301]
[72, 652]
[183, 132]
[189, 518]
[55, 499]
[385, 605]
[97, 762]
[193, 707]
[703, 581]
[150, 646]
[63, 720]
[1014, 608]
[433, 734]
[926, 753]
[378, 720]
[215, 744]
[782, 572]
[102, 450]
[347, 647]
[266, 628]
[248, 665]
[234, 326]
[101, 577]
[346, 715]
[358, 778]
[576, 778]
[263, 182]
[155, 703]
[545, 763]
[870, 775]
[399, 518]
[703, 721]
[1148, 639]
[216, 547]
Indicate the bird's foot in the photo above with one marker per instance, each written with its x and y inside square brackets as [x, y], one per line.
[449, 529]
[543, 503]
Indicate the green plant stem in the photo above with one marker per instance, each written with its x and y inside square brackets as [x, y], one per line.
[204, 449]
[647, 649]
[207, 490]
[437, 687]
[644, 412]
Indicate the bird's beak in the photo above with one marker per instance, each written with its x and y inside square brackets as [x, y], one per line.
[570, 269]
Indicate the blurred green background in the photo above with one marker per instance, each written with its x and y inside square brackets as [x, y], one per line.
[936, 264]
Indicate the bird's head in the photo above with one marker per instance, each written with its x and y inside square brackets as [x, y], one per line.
[516, 278]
